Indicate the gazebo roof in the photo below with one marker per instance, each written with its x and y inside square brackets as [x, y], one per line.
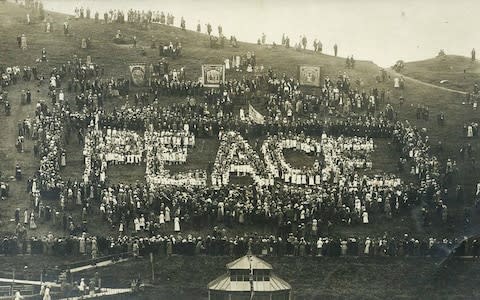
[223, 283]
[244, 262]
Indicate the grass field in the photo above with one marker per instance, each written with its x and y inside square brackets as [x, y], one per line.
[184, 277]
[318, 278]
[461, 72]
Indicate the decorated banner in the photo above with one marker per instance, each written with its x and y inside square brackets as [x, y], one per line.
[309, 75]
[255, 116]
[212, 75]
[138, 74]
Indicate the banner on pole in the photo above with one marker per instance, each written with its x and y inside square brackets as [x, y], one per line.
[309, 75]
[138, 74]
[255, 116]
[213, 75]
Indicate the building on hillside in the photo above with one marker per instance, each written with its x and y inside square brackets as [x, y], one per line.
[249, 278]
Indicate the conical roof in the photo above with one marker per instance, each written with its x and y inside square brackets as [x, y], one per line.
[244, 262]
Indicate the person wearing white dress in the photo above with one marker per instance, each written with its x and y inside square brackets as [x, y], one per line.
[314, 227]
[136, 221]
[469, 131]
[82, 286]
[33, 225]
[34, 186]
[25, 216]
[319, 246]
[46, 295]
[176, 224]
[396, 82]
[167, 214]
[365, 217]
[142, 222]
[358, 205]
[161, 219]
[18, 296]
[63, 160]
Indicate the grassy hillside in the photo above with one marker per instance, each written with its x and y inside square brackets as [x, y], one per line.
[461, 72]
[115, 59]
[196, 50]
[186, 278]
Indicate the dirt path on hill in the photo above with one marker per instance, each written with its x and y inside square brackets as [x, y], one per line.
[392, 72]
[9, 156]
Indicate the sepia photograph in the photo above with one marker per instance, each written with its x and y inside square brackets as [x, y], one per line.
[239, 150]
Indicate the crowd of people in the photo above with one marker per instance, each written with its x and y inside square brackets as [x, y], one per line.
[49, 131]
[219, 244]
[352, 198]
[336, 126]
[353, 152]
[171, 49]
[131, 16]
[470, 129]
[12, 75]
[243, 63]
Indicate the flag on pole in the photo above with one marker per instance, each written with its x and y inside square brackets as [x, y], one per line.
[255, 116]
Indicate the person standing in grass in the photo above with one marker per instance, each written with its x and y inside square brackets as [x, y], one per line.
[473, 54]
[304, 42]
[23, 42]
[182, 23]
[209, 29]
[335, 49]
[65, 28]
